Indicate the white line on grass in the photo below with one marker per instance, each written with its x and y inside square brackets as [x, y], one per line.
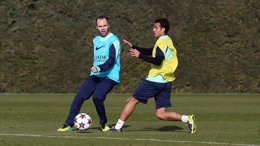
[136, 139]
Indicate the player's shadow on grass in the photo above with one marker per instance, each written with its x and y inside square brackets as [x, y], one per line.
[165, 129]
[98, 128]
[83, 131]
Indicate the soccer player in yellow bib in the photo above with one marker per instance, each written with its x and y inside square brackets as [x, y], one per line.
[163, 59]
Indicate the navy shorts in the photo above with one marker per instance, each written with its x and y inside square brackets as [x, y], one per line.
[160, 91]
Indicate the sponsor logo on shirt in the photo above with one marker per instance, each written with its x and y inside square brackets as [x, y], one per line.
[97, 48]
[101, 58]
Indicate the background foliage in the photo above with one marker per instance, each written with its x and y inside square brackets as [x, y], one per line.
[46, 46]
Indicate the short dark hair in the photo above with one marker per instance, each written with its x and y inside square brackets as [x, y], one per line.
[102, 17]
[164, 24]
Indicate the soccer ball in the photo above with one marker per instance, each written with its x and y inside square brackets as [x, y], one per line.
[82, 121]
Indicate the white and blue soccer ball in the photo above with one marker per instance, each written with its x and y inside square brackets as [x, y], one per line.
[82, 121]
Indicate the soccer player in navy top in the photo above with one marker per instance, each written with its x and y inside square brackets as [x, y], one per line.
[103, 77]
[163, 60]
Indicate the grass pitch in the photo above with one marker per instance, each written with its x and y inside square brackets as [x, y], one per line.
[222, 119]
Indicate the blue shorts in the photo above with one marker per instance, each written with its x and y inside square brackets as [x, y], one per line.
[98, 87]
[160, 91]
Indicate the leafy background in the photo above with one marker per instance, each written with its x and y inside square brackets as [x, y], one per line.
[46, 45]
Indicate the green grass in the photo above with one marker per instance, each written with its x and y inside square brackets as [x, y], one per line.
[222, 119]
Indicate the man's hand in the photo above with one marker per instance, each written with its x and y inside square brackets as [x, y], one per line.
[130, 45]
[94, 69]
[134, 52]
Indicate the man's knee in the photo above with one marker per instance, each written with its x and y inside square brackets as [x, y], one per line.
[132, 100]
[160, 114]
[98, 99]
